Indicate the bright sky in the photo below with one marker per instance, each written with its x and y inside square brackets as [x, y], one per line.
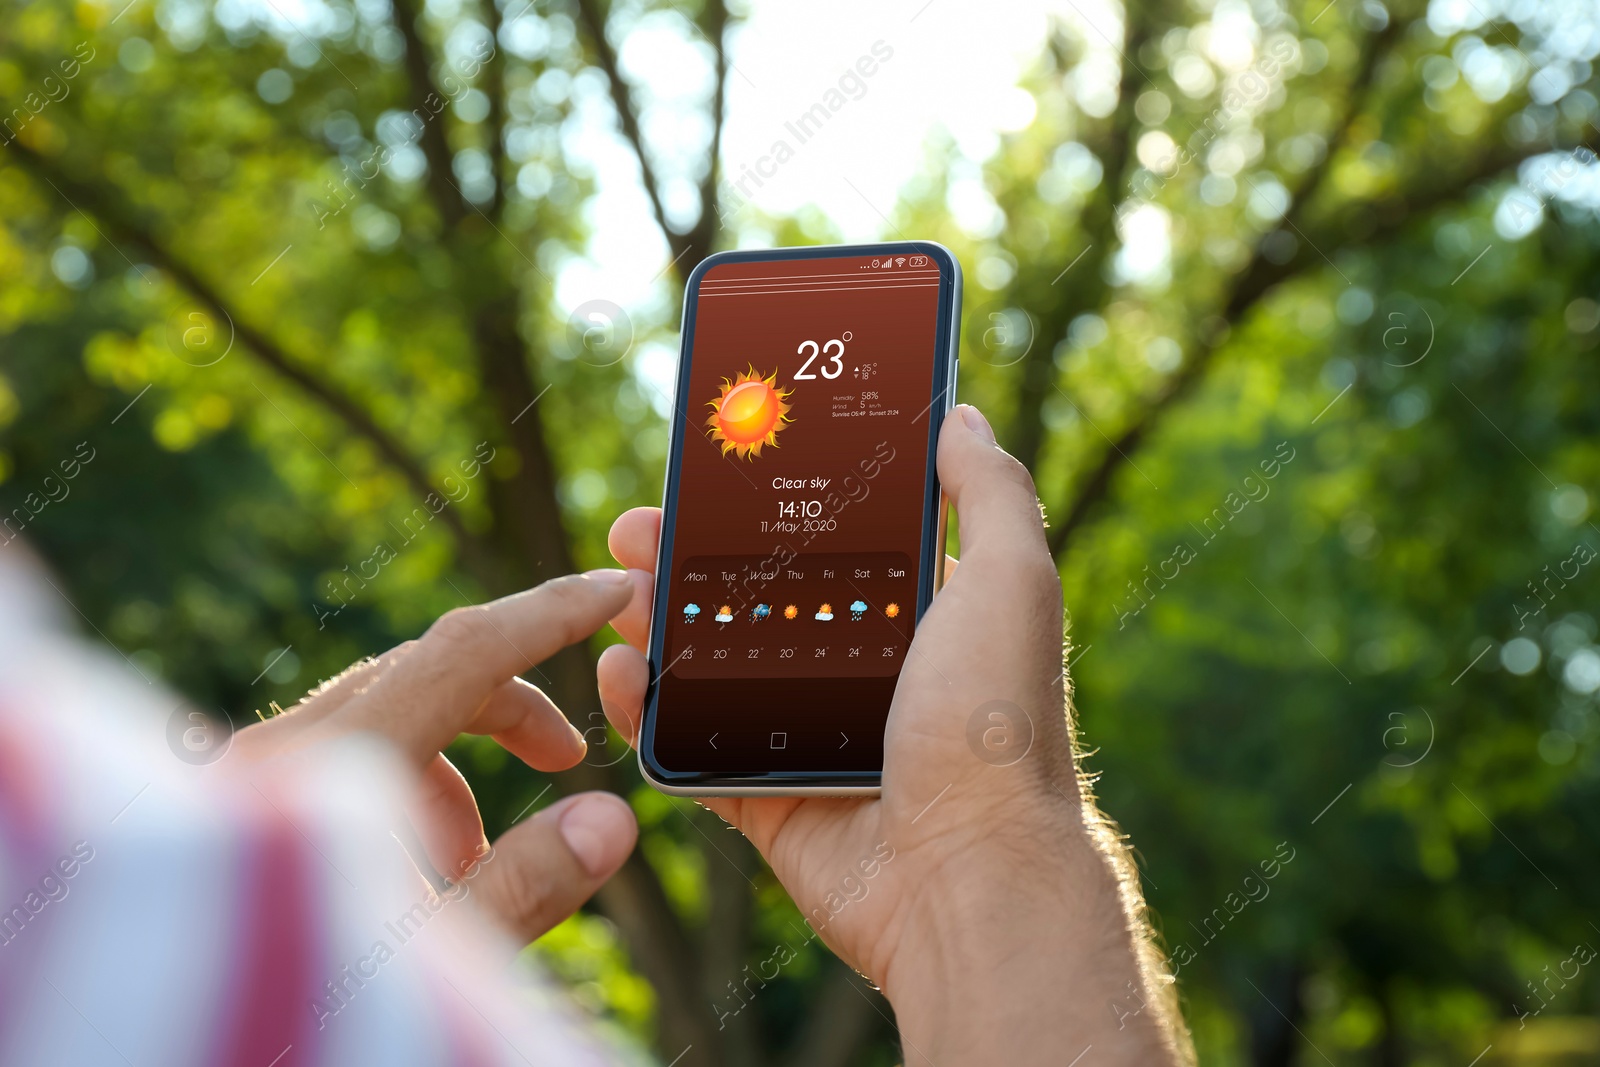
[938, 68]
[947, 68]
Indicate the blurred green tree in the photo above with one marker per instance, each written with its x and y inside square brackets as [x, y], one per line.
[1292, 311]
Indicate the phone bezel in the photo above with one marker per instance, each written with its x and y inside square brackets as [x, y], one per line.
[930, 571]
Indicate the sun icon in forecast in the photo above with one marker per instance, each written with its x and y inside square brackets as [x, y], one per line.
[748, 414]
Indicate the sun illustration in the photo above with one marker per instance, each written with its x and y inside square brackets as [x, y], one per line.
[748, 414]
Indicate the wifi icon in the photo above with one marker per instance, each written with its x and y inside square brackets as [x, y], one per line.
[899, 261]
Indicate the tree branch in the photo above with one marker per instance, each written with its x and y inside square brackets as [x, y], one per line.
[1392, 212]
[704, 234]
[1087, 288]
[1259, 275]
[529, 503]
[594, 23]
[494, 85]
[120, 219]
[1378, 46]
[421, 91]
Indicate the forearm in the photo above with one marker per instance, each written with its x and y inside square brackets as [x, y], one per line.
[1033, 963]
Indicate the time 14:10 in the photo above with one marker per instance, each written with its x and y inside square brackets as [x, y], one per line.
[799, 509]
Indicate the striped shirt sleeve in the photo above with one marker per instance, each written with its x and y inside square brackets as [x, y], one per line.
[158, 912]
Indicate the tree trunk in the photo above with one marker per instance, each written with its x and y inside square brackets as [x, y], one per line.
[534, 540]
[1275, 1016]
[1391, 1047]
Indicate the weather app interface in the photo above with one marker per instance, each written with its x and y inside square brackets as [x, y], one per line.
[792, 588]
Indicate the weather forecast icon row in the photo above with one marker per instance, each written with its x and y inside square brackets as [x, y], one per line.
[762, 612]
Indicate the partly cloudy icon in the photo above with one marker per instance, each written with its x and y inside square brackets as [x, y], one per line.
[691, 612]
[857, 609]
[725, 613]
[825, 613]
[760, 612]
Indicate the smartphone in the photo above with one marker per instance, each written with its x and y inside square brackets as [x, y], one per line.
[803, 528]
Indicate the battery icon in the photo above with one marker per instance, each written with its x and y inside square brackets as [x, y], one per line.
[919, 261]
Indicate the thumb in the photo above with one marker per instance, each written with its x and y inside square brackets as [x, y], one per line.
[541, 870]
[993, 494]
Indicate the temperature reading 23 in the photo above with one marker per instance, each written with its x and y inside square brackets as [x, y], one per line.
[835, 353]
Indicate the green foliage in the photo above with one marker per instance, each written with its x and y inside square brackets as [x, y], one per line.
[1363, 441]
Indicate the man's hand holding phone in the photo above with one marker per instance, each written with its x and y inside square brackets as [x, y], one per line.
[997, 914]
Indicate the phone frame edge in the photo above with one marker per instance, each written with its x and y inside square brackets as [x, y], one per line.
[952, 360]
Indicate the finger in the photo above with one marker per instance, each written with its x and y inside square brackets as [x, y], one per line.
[634, 622]
[623, 674]
[993, 494]
[436, 688]
[731, 810]
[541, 870]
[339, 690]
[635, 537]
[446, 816]
[634, 540]
[528, 724]
[282, 732]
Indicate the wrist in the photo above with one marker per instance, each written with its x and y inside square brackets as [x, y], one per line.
[1023, 955]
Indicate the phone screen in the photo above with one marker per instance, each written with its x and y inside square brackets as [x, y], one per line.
[800, 520]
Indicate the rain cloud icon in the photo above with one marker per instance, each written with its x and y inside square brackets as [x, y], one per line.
[691, 612]
[858, 608]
